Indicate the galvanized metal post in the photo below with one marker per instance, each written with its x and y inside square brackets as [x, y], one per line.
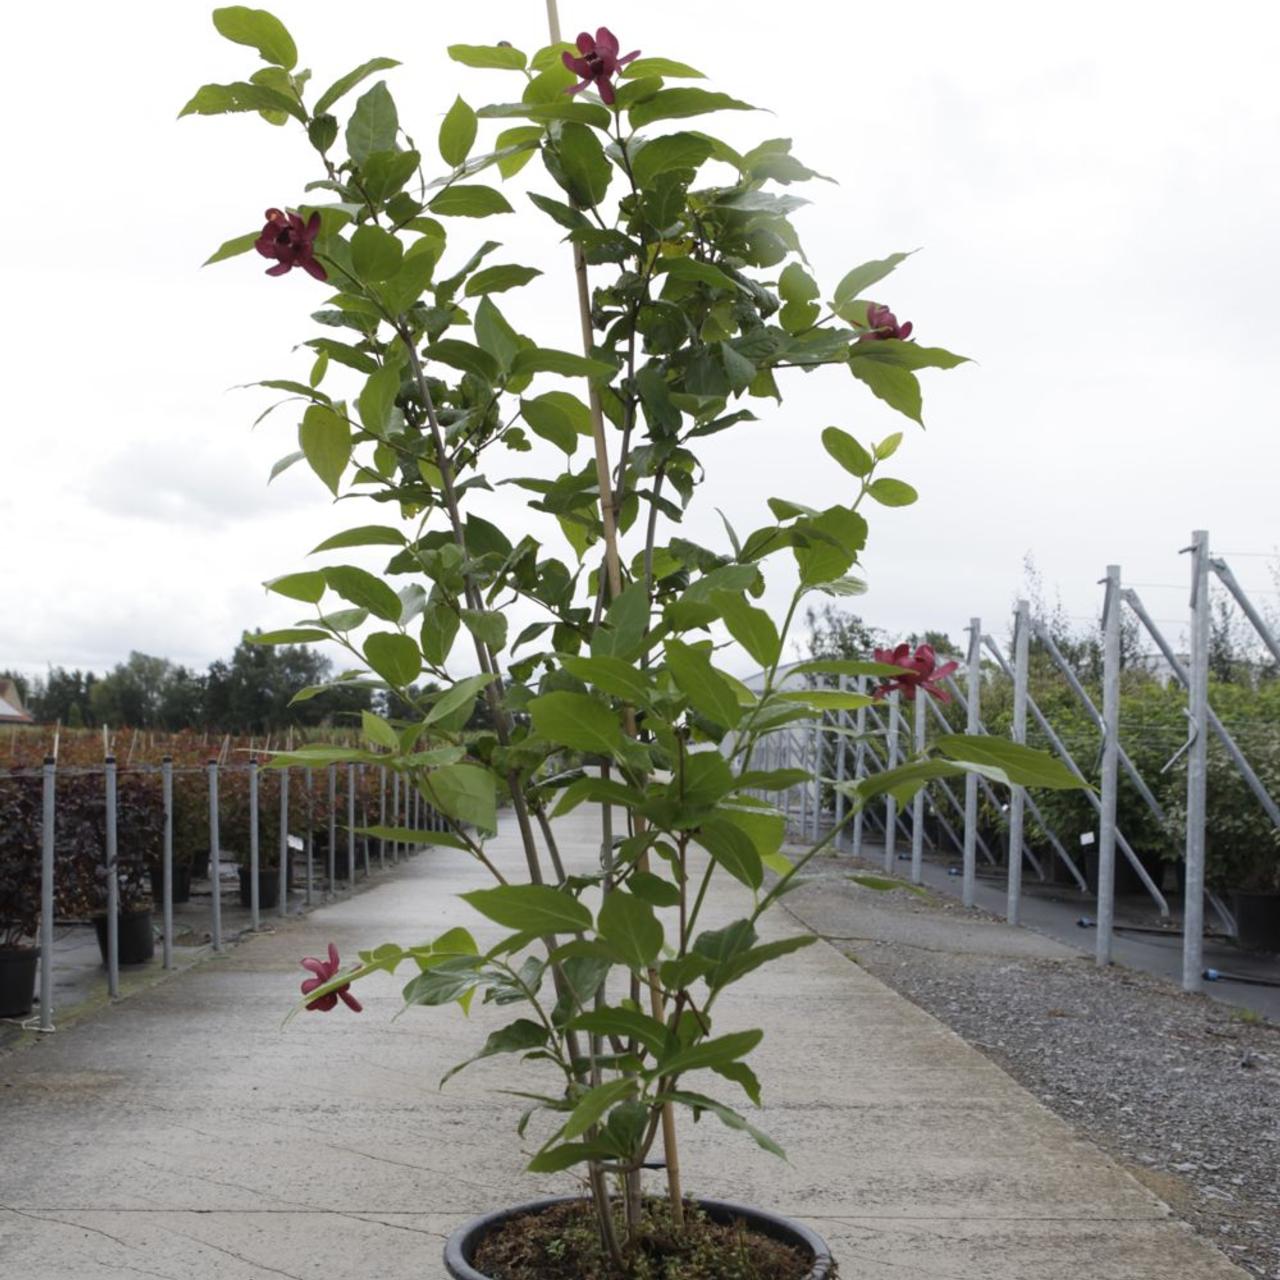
[890, 803]
[1197, 766]
[973, 726]
[838, 740]
[331, 869]
[47, 834]
[282, 899]
[215, 841]
[364, 818]
[917, 803]
[310, 840]
[254, 904]
[859, 765]
[395, 814]
[1110, 765]
[166, 905]
[1017, 797]
[113, 882]
[351, 827]
[1228, 580]
[382, 815]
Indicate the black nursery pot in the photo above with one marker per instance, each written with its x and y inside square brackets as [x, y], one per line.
[268, 887]
[136, 941]
[460, 1248]
[17, 980]
[181, 883]
[1257, 920]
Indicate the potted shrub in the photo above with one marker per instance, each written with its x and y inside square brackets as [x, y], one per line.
[693, 297]
[20, 820]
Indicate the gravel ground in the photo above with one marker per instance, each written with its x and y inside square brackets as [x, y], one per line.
[1182, 1091]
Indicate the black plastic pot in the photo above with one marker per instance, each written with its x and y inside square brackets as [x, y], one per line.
[17, 980]
[1257, 920]
[181, 883]
[136, 941]
[268, 887]
[460, 1248]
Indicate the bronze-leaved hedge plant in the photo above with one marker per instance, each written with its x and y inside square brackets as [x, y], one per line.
[695, 301]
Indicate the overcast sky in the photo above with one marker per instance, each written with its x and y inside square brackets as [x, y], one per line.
[1093, 186]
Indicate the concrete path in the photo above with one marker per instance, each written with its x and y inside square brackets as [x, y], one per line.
[183, 1135]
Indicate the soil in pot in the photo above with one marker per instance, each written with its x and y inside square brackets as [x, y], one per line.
[1257, 920]
[17, 980]
[563, 1243]
[136, 940]
[181, 883]
[268, 887]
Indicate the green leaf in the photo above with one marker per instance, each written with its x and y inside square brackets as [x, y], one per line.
[670, 104]
[595, 1102]
[288, 635]
[375, 254]
[752, 628]
[259, 30]
[733, 849]
[898, 388]
[744, 962]
[495, 334]
[625, 623]
[844, 667]
[660, 67]
[307, 587]
[463, 693]
[888, 446]
[544, 360]
[847, 452]
[499, 279]
[662, 155]
[394, 657]
[865, 276]
[628, 1023]
[386, 172]
[907, 355]
[470, 200]
[727, 1115]
[439, 630]
[532, 908]
[378, 398]
[464, 356]
[580, 164]
[465, 792]
[568, 218]
[610, 675]
[629, 926]
[892, 493]
[224, 99]
[325, 438]
[345, 84]
[827, 699]
[708, 692]
[565, 1156]
[366, 535]
[457, 133]
[233, 248]
[502, 57]
[488, 626]
[709, 1053]
[576, 720]
[1021, 766]
[361, 588]
[654, 889]
[378, 732]
[516, 1037]
[373, 125]
[549, 419]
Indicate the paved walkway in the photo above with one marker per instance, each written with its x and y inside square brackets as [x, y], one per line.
[183, 1135]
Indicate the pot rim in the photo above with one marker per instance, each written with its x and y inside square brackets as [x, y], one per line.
[462, 1242]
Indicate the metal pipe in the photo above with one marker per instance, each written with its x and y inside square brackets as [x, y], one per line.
[1017, 796]
[859, 766]
[215, 841]
[382, 815]
[1197, 766]
[841, 717]
[331, 867]
[1228, 580]
[254, 904]
[973, 726]
[351, 826]
[47, 836]
[166, 904]
[310, 840]
[282, 891]
[917, 801]
[113, 882]
[890, 801]
[1110, 763]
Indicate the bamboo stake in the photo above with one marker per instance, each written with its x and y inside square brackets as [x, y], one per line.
[613, 574]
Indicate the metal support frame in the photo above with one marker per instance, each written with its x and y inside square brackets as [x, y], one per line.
[215, 842]
[282, 891]
[973, 727]
[47, 833]
[1110, 765]
[113, 881]
[1069, 760]
[1017, 795]
[254, 904]
[1197, 766]
[331, 868]
[351, 827]
[310, 842]
[890, 801]
[166, 866]
[917, 801]
[859, 766]
[1228, 580]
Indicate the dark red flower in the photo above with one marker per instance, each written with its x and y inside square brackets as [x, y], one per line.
[326, 971]
[599, 62]
[291, 242]
[920, 670]
[882, 323]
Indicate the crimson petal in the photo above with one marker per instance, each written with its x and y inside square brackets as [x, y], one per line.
[607, 41]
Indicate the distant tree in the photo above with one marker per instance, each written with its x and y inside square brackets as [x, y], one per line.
[835, 634]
